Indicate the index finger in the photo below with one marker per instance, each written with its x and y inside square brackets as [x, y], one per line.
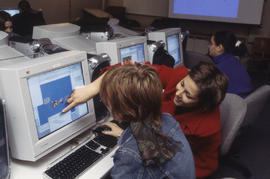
[69, 107]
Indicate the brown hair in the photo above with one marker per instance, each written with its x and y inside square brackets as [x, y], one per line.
[4, 17]
[132, 93]
[212, 84]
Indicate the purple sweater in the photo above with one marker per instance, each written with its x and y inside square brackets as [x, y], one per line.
[239, 80]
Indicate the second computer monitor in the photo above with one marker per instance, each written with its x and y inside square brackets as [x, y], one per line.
[172, 38]
[125, 50]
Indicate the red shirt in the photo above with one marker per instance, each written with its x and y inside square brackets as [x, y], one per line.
[203, 130]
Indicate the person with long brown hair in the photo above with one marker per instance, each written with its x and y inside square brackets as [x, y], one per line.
[192, 98]
[153, 142]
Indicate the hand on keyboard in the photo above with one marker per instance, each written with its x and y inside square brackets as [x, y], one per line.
[115, 131]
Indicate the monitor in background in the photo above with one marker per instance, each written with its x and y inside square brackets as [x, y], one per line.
[172, 38]
[125, 50]
[55, 30]
[132, 54]
[11, 11]
[174, 48]
[66, 35]
[35, 91]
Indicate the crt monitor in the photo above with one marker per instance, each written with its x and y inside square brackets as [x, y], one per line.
[36, 91]
[52, 31]
[11, 11]
[172, 38]
[66, 35]
[125, 50]
[3, 38]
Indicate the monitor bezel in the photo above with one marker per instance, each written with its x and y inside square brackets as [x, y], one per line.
[57, 136]
[24, 141]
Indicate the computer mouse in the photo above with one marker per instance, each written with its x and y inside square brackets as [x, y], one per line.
[102, 128]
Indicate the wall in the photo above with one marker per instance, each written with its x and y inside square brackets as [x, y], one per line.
[206, 28]
[56, 11]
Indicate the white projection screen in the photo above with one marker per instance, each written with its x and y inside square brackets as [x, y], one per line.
[232, 11]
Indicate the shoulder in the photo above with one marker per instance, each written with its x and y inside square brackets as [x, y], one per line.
[16, 16]
[170, 126]
[209, 122]
[163, 68]
[128, 146]
[201, 124]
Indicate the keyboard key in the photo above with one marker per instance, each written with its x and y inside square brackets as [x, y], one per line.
[93, 145]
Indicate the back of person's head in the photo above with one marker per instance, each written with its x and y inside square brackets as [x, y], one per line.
[132, 93]
[4, 17]
[230, 43]
[24, 6]
[212, 84]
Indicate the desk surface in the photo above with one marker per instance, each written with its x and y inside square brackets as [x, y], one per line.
[34, 170]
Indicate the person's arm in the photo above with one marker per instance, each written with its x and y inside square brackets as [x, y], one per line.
[164, 73]
[84, 93]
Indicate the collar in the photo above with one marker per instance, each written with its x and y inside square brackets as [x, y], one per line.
[218, 59]
[124, 136]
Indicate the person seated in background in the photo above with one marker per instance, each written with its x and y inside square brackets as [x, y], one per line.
[192, 98]
[6, 22]
[153, 145]
[24, 22]
[223, 47]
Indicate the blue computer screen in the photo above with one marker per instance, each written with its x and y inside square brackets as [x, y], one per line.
[49, 92]
[12, 12]
[132, 54]
[174, 48]
[216, 8]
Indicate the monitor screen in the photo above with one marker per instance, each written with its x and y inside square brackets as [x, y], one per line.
[132, 54]
[232, 11]
[12, 12]
[174, 48]
[49, 92]
[36, 91]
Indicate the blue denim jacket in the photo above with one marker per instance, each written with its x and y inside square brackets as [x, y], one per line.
[128, 162]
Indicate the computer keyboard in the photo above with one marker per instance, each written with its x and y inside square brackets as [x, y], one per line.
[81, 159]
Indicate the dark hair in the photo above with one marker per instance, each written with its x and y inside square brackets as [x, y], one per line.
[212, 84]
[4, 16]
[132, 93]
[229, 42]
[24, 6]
[162, 57]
